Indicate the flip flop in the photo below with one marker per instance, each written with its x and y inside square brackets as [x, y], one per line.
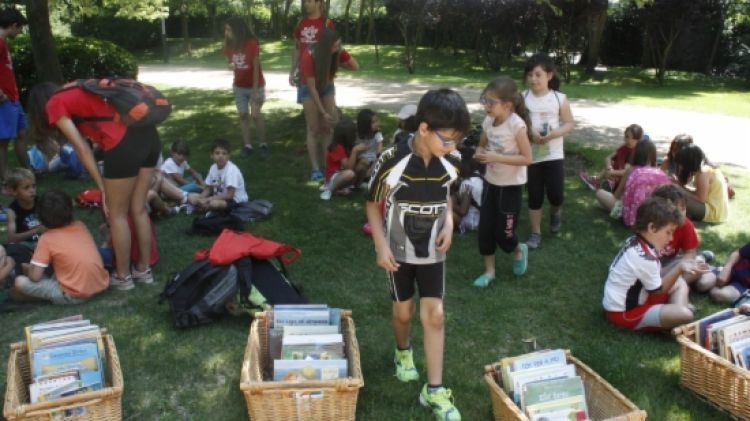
[520, 265]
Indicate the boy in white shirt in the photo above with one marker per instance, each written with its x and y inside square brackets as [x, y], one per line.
[225, 184]
[176, 165]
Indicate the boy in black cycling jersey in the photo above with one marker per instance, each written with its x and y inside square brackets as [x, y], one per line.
[409, 209]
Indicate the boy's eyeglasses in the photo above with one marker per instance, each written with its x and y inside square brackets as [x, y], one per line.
[488, 101]
[444, 140]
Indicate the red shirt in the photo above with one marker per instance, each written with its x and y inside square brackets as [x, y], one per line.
[684, 238]
[334, 160]
[622, 156]
[75, 102]
[308, 31]
[7, 78]
[243, 64]
[307, 64]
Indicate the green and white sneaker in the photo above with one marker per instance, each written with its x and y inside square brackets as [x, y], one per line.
[405, 370]
[441, 403]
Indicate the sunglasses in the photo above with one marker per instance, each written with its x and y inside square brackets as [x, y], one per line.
[488, 101]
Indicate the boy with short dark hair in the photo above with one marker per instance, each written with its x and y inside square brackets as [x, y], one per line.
[415, 231]
[224, 182]
[23, 224]
[176, 165]
[78, 271]
[636, 295]
[12, 118]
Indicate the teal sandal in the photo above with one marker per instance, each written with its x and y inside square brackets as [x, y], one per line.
[520, 265]
[483, 280]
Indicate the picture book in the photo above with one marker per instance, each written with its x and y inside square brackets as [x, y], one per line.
[713, 331]
[310, 330]
[560, 415]
[300, 370]
[81, 356]
[736, 352]
[575, 408]
[551, 390]
[317, 347]
[39, 389]
[744, 357]
[731, 334]
[528, 361]
[704, 323]
[520, 379]
[301, 317]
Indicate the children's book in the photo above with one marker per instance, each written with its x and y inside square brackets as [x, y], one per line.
[730, 334]
[713, 331]
[301, 317]
[301, 370]
[521, 379]
[551, 390]
[736, 351]
[317, 347]
[528, 361]
[701, 336]
[39, 389]
[575, 408]
[310, 330]
[81, 356]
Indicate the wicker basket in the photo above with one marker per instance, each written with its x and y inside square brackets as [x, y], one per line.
[285, 400]
[604, 401]
[100, 405]
[712, 377]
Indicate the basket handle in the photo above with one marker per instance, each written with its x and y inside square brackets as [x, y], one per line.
[678, 331]
[49, 411]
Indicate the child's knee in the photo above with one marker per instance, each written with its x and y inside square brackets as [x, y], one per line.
[725, 295]
[433, 317]
[20, 282]
[705, 282]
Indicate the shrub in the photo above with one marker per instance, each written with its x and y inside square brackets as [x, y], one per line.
[130, 34]
[80, 58]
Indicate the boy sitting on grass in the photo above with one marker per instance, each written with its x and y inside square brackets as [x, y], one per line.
[225, 186]
[734, 278]
[636, 295]
[67, 246]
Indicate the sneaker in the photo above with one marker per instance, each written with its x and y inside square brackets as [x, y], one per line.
[591, 181]
[555, 223]
[117, 282]
[520, 265]
[187, 208]
[316, 175]
[483, 280]
[441, 403]
[142, 277]
[263, 150]
[535, 239]
[247, 151]
[404, 361]
[326, 194]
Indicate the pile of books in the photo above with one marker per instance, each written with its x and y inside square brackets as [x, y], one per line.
[305, 343]
[544, 386]
[66, 357]
[726, 334]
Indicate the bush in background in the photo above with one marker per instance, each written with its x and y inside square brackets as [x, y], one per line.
[80, 58]
[130, 34]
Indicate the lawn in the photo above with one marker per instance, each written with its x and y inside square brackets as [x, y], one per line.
[684, 91]
[194, 374]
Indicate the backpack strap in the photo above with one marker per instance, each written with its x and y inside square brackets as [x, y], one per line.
[178, 279]
[244, 279]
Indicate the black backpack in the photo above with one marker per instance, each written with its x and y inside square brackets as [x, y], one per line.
[135, 103]
[199, 293]
[215, 223]
[268, 283]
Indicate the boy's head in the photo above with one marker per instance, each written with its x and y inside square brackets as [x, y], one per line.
[633, 135]
[220, 152]
[443, 112]
[55, 209]
[22, 185]
[180, 151]
[656, 220]
[673, 194]
[12, 21]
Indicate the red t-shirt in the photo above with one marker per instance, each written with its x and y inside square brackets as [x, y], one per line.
[622, 156]
[684, 238]
[307, 64]
[334, 160]
[243, 64]
[308, 31]
[7, 78]
[75, 102]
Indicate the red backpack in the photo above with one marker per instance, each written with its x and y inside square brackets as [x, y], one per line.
[135, 104]
[233, 245]
[91, 198]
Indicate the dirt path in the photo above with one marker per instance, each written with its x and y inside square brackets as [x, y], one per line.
[723, 138]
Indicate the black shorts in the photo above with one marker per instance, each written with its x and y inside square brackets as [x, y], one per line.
[430, 280]
[139, 148]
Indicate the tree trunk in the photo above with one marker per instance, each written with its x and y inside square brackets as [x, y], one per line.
[211, 10]
[285, 20]
[42, 43]
[358, 34]
[184, 29]
[595, 30]
[715, 46]
[371, 22]
[346, 20]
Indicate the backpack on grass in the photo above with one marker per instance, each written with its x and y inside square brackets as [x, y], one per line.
[254, 210]
[214, 224]
[135, 103]
[268, 285]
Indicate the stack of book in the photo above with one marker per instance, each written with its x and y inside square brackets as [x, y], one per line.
[544, 386]
[305, 343]
[66, 357]
[726, 334]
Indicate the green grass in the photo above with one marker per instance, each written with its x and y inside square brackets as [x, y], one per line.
[684, 91]
[194, 374]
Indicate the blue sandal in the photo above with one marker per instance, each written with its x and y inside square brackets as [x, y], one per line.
[483, 280]
[520, 265]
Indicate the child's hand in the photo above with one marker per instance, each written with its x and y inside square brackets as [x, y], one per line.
[483, 156]
[386, 259]
[444, 239]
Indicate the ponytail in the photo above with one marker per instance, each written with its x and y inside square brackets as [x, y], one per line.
[519, 106]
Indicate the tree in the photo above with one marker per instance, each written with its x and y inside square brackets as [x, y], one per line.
[412, 16]
[347, 8]
[43, 46]
[358, 33]
[596, 18]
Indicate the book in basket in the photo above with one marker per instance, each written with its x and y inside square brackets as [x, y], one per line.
[532, 360]
[552, 390]
[315, 347]
[522, 378]
[300, 370]
[701, 334]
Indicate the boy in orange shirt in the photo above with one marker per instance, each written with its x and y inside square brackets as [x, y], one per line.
[78, 271]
